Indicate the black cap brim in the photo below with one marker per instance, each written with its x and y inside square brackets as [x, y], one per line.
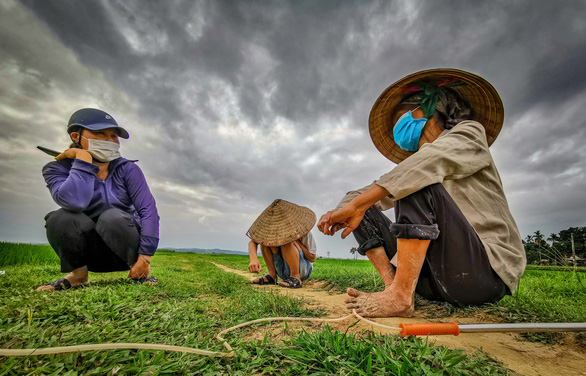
[100, 126]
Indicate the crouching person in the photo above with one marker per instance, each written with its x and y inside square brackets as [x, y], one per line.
[286, 244]
[108, 219]
[454, 238]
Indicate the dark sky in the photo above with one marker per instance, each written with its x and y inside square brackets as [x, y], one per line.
[233, 104]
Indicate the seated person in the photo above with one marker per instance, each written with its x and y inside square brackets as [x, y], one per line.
[454, 238]
[286, 244]
[108, 220]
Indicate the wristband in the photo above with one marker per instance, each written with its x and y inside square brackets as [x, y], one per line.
[146, 259]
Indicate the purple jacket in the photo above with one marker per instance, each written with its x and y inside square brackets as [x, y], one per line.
[74, 186]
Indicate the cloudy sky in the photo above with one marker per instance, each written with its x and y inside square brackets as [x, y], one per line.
[233, 104]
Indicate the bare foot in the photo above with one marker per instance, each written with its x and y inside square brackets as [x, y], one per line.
[290, 283]
[388, 303]
[78, 277]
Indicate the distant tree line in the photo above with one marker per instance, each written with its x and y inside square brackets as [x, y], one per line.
[556, 249]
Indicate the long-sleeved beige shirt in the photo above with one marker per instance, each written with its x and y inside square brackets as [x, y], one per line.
[460, 160]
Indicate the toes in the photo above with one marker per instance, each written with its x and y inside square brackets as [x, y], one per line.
[45, 288]
[350, 300]
[351, 305]
[352, 292]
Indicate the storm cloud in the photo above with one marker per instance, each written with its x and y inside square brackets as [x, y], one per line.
[233, 104]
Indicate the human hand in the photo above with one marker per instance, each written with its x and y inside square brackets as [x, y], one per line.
[326, 226]
[325, 219]
[74, 153]
[348, 218]
[254, 266]
[141, 269]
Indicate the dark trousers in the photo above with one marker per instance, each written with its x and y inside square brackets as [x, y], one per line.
[107, 245]
[456, 267]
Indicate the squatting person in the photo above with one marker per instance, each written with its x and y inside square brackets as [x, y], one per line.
[108, 219]
[454, 238]
[287, 246]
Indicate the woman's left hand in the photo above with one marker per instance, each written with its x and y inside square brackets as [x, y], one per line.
[141, 269]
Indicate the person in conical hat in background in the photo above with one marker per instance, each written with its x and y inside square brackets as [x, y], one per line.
[108, 219]
[287, 246]
[454, 238]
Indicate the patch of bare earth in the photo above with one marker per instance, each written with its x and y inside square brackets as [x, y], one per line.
[522, 357]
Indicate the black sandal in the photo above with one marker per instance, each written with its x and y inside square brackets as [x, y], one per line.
[293, 282]
[150, 278]
[269, 280]
[61, 284]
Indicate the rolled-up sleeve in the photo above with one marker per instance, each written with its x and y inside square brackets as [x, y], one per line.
[145, 206]
[71, 188]
[384, 204]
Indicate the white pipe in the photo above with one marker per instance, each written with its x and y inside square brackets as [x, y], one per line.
[524, 327]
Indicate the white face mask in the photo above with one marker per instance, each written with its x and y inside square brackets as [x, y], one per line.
[103, 151]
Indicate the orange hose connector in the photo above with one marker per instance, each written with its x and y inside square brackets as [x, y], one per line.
[429, 329]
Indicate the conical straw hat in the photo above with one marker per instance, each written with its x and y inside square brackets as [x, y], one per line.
[485, 102]
[281, 223]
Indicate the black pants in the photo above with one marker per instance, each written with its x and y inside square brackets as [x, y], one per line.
[107, 245]
[456, 267]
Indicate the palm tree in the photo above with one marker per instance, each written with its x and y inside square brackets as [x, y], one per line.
[538, 237]
[552, 238]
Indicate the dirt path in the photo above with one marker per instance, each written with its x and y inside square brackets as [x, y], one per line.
[522, 357]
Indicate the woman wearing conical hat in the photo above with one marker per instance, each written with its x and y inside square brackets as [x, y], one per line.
[454, 238]
[287, 246]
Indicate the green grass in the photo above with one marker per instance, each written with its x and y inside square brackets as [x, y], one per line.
[567, 268]
[548, 296]
[342, 274]
[20, 254]
[544, 294]
[192, 303]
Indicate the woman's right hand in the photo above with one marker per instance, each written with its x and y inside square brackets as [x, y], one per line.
[254, 266]
[75, 153]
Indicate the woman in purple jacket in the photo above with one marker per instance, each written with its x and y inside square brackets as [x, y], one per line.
[108, 219]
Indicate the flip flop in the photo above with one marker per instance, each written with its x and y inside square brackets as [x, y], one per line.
[293, 282]
[269, 280]
[150, 278]
[62, 284]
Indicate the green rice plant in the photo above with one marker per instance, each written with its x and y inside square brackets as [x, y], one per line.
[20, 254]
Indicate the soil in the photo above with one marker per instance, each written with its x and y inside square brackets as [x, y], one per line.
[522, 357]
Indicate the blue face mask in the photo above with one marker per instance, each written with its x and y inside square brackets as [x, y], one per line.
[407, 131]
